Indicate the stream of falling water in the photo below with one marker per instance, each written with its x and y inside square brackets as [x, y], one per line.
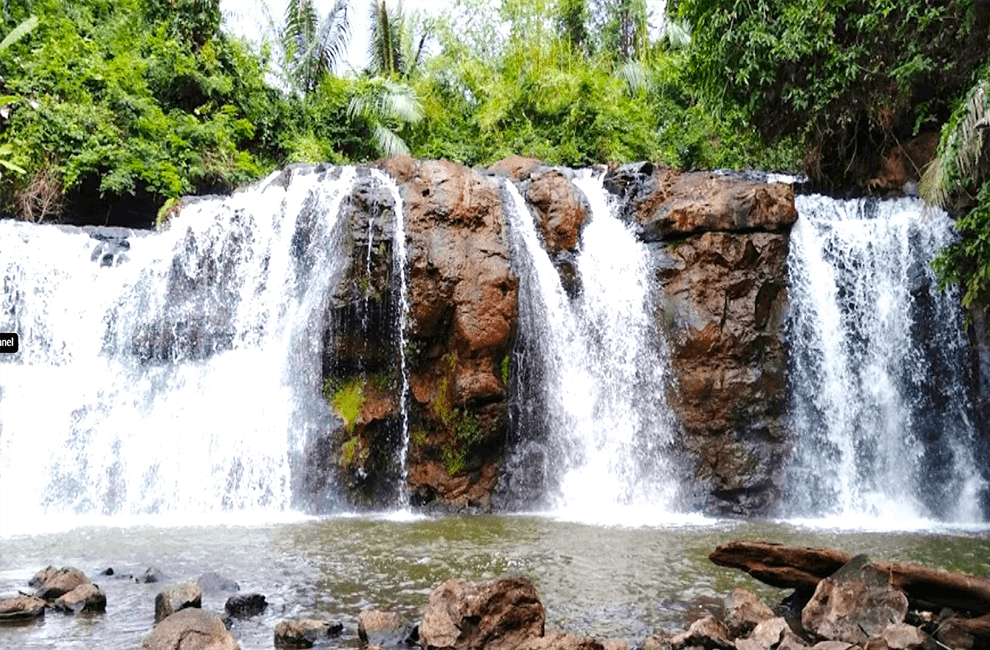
[174, 373]
[878, 353]
[595, 370]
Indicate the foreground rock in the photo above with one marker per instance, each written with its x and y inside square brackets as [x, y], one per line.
[304, 633]
[190, 629]
[245, 605]
[176, 598]
[744, 611]
[498, 614]
[85, 598]
[21, 608]
[803, 568]
[380, 629]
[53, 582]
[708, 632]
[854, 604]
[562, 641]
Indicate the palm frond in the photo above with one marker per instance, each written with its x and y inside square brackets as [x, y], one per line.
[961, 150]
[677, 33]
[636, 75]
[388, 141]
[18, 33]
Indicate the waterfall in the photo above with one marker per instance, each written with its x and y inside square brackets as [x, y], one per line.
[880, 405]
[174, 372]
[592, 371]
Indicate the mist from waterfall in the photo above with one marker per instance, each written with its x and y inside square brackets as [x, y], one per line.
[880, 403]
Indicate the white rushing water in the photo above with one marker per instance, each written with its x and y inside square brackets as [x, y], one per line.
[880, 404]
[177, 377]
[596, 371]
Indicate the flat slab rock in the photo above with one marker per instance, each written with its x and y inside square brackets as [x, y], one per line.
[304, 633]
[21, 608]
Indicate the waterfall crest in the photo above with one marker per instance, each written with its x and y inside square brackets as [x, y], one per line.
[878, 367]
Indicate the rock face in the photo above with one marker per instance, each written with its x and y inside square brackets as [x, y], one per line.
[462, 319]
[721, 246]
[494, 615]
[190, 629]
[857, 602]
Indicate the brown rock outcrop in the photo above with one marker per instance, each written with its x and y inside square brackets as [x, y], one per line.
[84, 598]
[499, 614]
[722, 272]
[57, 582]
[561, 210]
[462, 319]
[21, 608]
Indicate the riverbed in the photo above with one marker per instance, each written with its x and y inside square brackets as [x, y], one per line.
[609, 581]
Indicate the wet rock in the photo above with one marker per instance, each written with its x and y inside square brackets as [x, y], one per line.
[832, 645]
[562, 641]
[791, 641]
[190, 629]
[60, 581]
[21, 608]
[857, 602]
[153, 574]
[744, 611]
[381, 629]
[41, 576]
[211, 583]
[901, 636]
[245, 605]
[304, 633]
[515, 167]
[84, 598]
[176, 598]
[495, 614]
[561, 210]
[463, 300]
[708, 633]
[766, 635]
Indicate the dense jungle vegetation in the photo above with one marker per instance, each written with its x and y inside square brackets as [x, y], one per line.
[141, 101]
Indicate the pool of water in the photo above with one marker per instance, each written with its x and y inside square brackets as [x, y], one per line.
[606, 581]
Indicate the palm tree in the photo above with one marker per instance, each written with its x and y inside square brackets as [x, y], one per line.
[385, 102]
[314, 47]
[962, 148]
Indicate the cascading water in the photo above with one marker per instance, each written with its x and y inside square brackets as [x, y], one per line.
[168, 373]
[880, 404]
[594, 371]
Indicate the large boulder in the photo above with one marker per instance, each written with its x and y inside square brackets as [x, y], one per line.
[57, 582]
[498, 614]
[462, 321]
[304, 633]
[177, 597]
[84, 598]
[21, 608]
[857, 602]
[560, 208]
[190, 629]
[720, 248]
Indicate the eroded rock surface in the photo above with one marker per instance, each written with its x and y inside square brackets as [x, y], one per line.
[499, 614]
[720, 246]
[855, 603]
